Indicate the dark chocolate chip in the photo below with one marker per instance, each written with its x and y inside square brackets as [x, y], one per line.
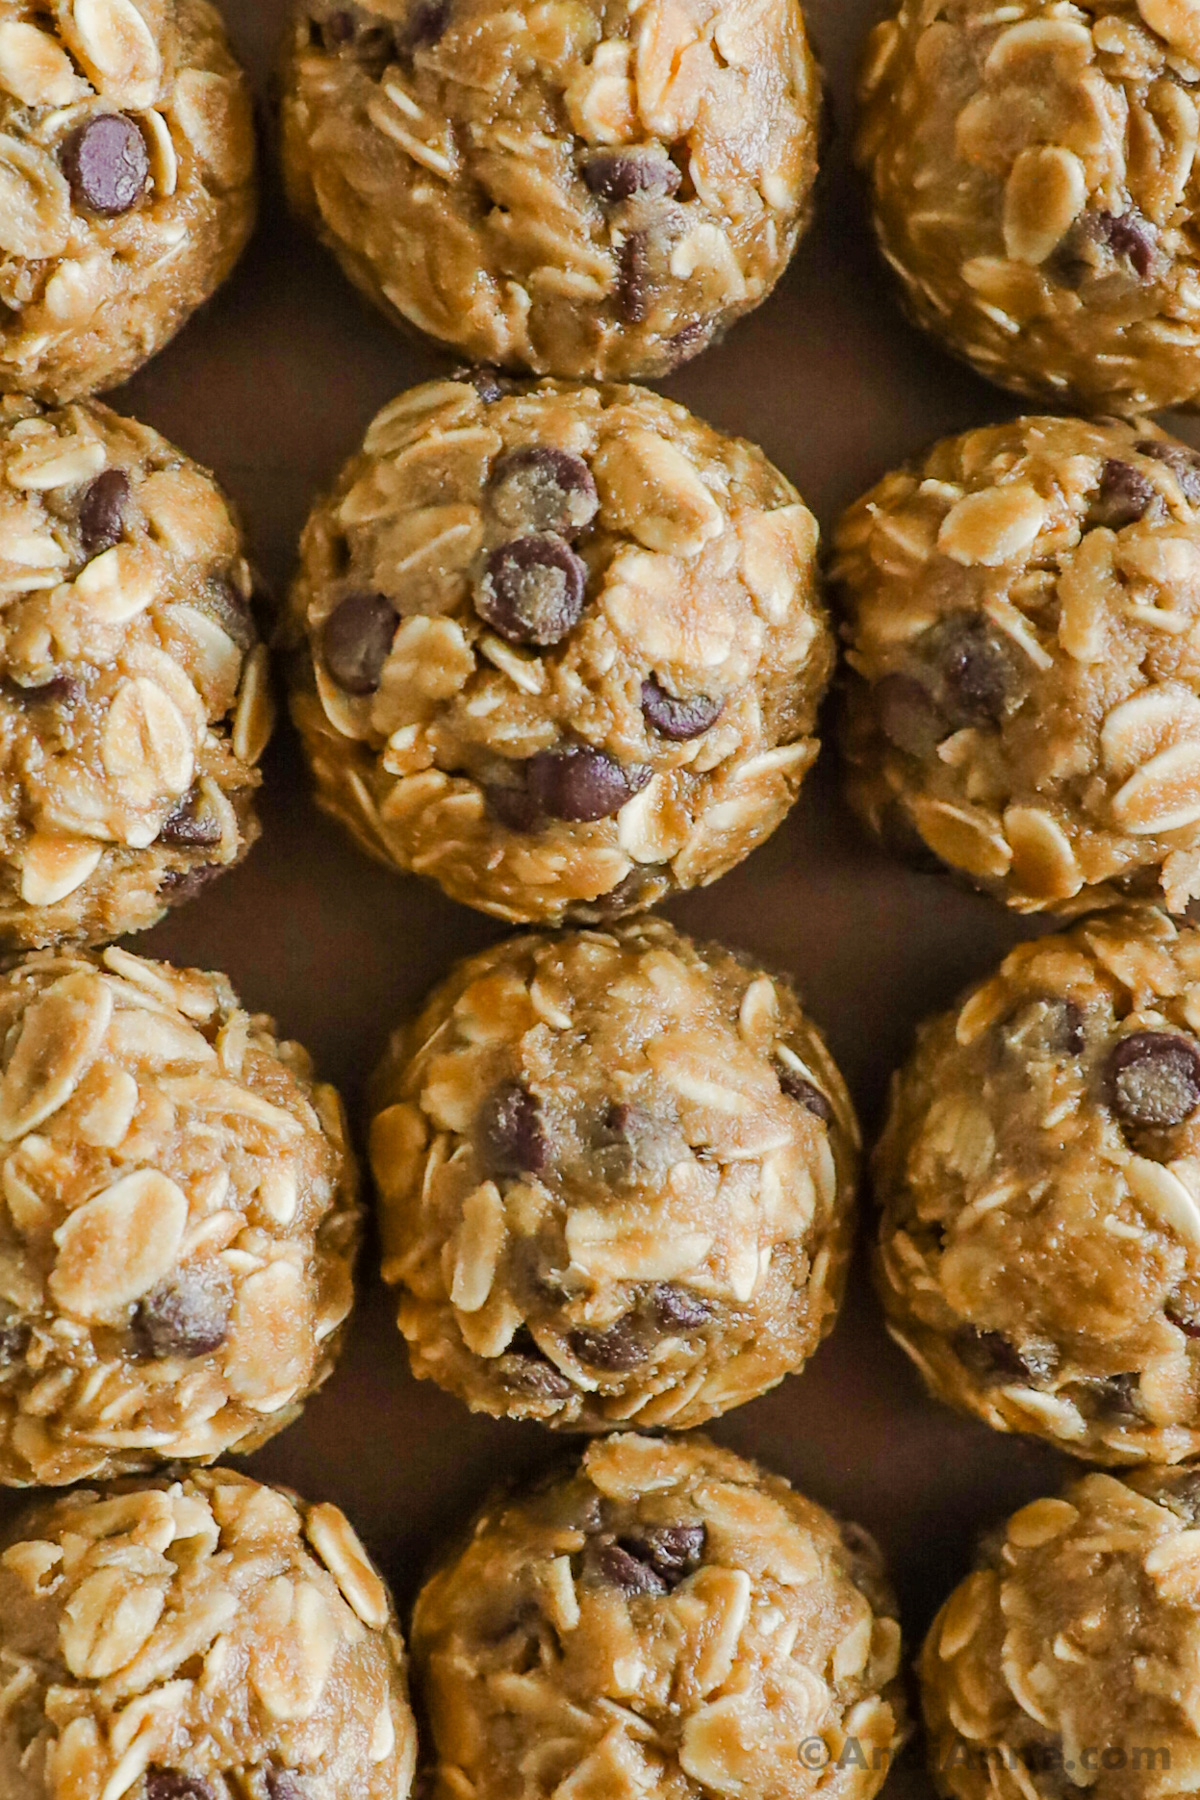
[1154, 1078]
[102, 511]
[991, 1357]
[673, 1308]
[65, 691]
[539, 488]
[616, 1349]
[187, 1315]
[1131, 235]
[672, 1551]
[1183, 462]
[976, 670]
[533, 591]
[14, 1341]
[356, 640]
[1045, 1028]
[107, 164]
[633, 278]
[525, 1367]
[908, 714]
[488, 382]
[616, 175]
[582, 784]
[1125, 495]
[512, 806]
[189, 825]
[178, 885]
[427, 21]
[676, 719]
[690, 341]
[798, 1087]
[170, 1784]
[1114, 1397]
[621, 1569]
[509, 1134]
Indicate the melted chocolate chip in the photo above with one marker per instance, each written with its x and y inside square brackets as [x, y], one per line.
[616, 175]
[633, 278]
[678, 720]
[189, 825]
[1131, 235]
[102, 511]
[1154, 1078]
[533, 591]
[672, 1551]
[908, 714]
[620, 1568]
[673, 1308]
[107, 164]
[539, 488]
[170, 1784]
[178, 885]
[582, 784]
[187, 1315]
[798, 1087]
[976, 670]
[991, 1357]
[525, 1367]
[1125, 496]
[509, 1133]
[1183, 462]
[14, 1341]
[616, 1349]
[356, 641]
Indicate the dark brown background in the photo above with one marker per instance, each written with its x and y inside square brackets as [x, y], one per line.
[272, 387]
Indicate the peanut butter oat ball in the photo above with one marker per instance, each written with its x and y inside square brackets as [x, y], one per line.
[1034, 186]
[202, 1638]
[1022, 621]
[180, 1220]
[126, 183]
[617, 1179]
[560, 648]
[1039, 1176]
[134, 695]
[1065, 1664]
[667, 1620]
[581, 187]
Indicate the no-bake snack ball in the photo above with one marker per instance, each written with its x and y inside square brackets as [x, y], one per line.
[1022, 622]
[200, 1638]
[617, 1180]
[134, 695]
[560, 648]
[668, 1621]
[179, 1223]
[580, 187]
[1035, 190]
[1065, 1663]
[126, 183]
[1039, 1177]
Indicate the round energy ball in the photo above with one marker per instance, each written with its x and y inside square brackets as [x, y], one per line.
[1020, 616]
[1039, 1176]
[1065, 1663]
[667, 1620]
[1032, 172]
[135, 701]
[560, 648]
[180, 1220]
[617, 1180]
[576, 188]
[126, 183]
[195, 1638]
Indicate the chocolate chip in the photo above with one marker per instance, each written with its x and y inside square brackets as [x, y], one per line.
[690, 341]
[538, 488]
[1131, 235]
[512, 806]
[1045, 1028]
[356, 640]
[1186, 1317]
[1125, 495]
[64, 691]
[616, 1349]
[14, 1341]
[976, 670]
[509, 1133]
[672, 1551]
[676, 719]
[1154, 1078]
[582, 784]
[178, 885]
[220, 601]
[189, 825]
[616, 175]
[169, 1784]
[187, 1315]
[525, 1367]
[673, 1308]
[629, 895]
[1184, 464]
[488, 382]
[1113, 1397]
[426, 23]
[102, 511]
[798, 1087]
[107, 164]
[908, 714]
[533, 591]
[633, 278]
[284, 1784]
[991, 1357]
[621, 1569]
